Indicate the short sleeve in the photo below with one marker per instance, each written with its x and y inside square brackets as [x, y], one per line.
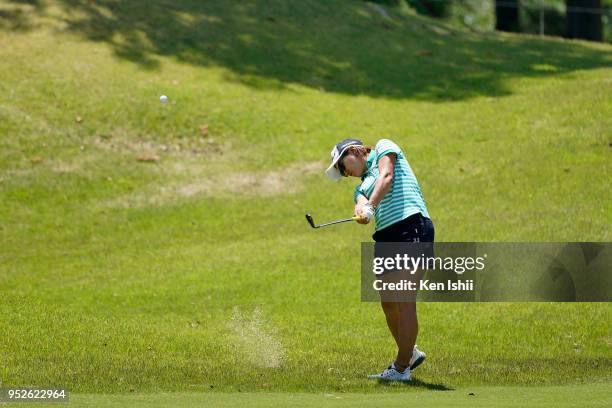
[384, 147]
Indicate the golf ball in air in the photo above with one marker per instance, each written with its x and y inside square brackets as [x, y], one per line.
[163, 99]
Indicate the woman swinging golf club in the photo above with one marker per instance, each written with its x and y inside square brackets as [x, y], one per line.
[390, 193]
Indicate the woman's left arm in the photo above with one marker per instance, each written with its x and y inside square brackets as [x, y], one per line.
[386, 165]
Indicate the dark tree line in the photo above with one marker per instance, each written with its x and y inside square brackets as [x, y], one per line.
[586, 25]
[583, 18]
[507, 15]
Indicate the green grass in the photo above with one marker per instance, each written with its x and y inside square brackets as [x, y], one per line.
[198, 271]
[591, 395]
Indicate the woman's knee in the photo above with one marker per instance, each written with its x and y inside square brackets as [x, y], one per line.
[407, 307]
[390, 308]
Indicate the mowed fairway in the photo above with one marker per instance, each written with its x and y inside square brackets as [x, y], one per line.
[148, 249]
[592, 395]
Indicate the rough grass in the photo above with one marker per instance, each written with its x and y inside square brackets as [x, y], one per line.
[113, 281]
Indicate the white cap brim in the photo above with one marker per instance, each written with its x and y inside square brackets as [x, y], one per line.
[333, 173]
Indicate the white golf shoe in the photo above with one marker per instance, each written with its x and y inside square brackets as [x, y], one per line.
[417, 358]
[392, 374]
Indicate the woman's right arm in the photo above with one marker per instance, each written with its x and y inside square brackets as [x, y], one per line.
[361, 200]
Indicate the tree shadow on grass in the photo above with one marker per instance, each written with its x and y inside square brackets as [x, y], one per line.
[16, 15]
[416, 383]
[343, 47]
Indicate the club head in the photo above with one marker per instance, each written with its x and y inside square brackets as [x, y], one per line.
[310, 220]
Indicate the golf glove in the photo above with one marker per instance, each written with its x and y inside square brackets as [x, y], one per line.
[367, 211]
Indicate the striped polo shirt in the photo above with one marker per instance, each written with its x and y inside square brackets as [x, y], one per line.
[405, 197]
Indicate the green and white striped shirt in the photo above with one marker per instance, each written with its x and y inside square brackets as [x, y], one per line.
[405, 197]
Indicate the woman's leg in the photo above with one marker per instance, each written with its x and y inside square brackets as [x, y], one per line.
[404, 326]
[391, 310]
[408, 323]
[408, 329]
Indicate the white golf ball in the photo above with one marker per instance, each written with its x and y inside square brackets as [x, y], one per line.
[163, 99]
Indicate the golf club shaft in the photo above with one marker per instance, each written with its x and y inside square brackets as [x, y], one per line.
[336, 222]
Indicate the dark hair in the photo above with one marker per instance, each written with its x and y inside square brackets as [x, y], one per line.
[355, 150]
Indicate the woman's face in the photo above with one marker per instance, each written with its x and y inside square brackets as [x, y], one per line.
[352, 165]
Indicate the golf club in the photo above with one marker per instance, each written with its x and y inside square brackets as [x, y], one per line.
[312, 223]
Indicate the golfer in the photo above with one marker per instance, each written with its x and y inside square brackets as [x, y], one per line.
[389, 193]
